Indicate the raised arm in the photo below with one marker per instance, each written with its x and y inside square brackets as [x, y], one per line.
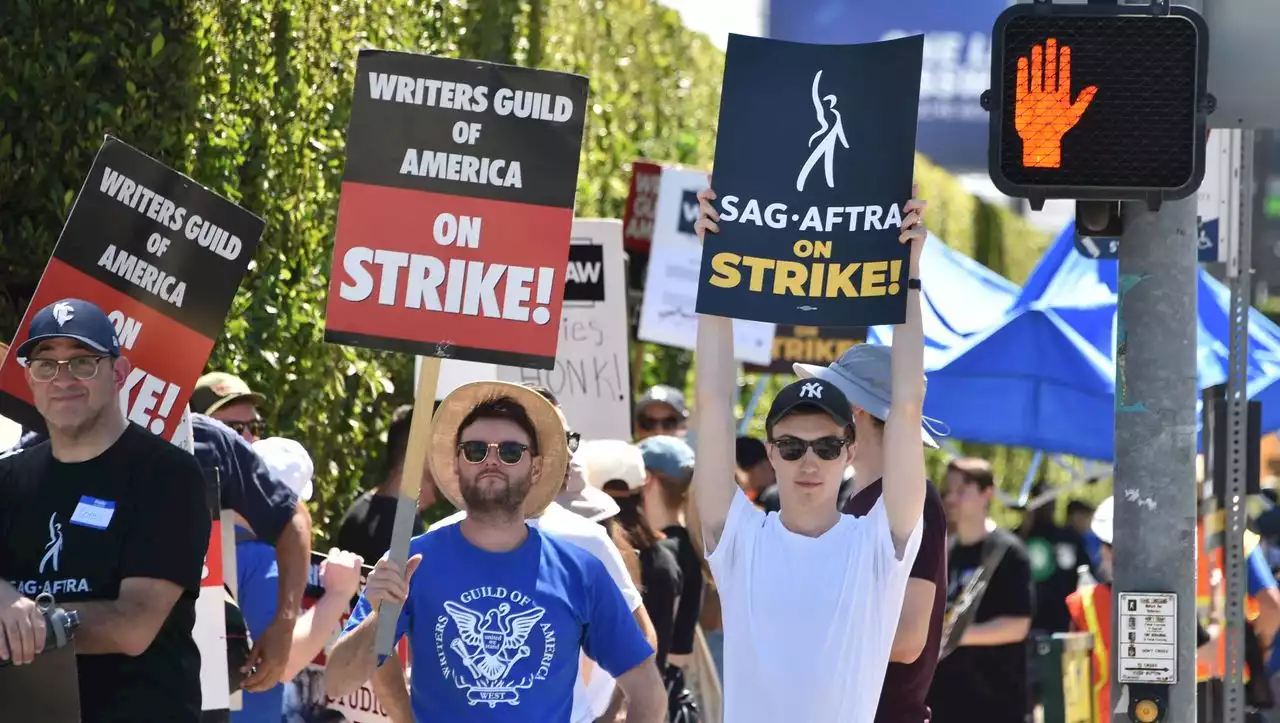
[903, 449]
[713, 484]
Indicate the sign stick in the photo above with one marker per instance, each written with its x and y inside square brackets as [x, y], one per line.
[415, 456]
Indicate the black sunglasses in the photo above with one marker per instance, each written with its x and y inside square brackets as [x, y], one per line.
[509, 453]
[256, 427]
[793, 448]
[649, 424]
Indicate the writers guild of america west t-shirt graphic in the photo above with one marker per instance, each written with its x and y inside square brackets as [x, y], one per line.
[493, 643]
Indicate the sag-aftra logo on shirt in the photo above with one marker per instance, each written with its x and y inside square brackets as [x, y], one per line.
[496, 638]
[49, 565]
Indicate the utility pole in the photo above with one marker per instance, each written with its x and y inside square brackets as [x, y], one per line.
[1155, 498]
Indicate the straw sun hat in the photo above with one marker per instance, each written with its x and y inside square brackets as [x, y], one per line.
[553, 449]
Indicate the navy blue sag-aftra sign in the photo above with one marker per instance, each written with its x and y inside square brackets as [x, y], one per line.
[813, 165]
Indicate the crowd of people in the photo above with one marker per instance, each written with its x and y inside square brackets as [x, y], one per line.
[551, 578]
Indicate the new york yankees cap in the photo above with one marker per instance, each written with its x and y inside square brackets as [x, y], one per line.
[74, 319]
[817, 394]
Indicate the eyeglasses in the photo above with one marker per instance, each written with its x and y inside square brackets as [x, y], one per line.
[82, 368]
[256, 427]
[509, 453]
[649, 424]
[574, 439]
[793, 448]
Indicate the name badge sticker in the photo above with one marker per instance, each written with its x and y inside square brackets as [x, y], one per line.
[93, 512]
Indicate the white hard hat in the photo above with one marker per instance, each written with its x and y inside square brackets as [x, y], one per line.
[1104, 520]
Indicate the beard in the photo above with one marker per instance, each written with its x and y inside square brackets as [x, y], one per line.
[490, 492]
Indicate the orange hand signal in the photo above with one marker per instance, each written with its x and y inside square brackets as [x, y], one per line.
[1043, 111]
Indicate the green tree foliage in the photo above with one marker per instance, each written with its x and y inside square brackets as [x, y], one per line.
[252, 100]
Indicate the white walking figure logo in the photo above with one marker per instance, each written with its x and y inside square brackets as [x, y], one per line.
[54, 548]
[826, 148]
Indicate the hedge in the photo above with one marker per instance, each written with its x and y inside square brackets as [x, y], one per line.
[252, 100]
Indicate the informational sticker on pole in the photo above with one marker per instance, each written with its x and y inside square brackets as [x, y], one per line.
[808, 345]
[814, 159]
[591, 377]
[668, 315]
[1148, 637]
[456, 209]
[163, 257]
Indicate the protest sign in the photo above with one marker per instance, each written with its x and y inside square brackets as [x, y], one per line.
[642, 200]
[163, 257]
[456, 208]
[808, 345]
[814, 158]
[591, 377]
[667, 314]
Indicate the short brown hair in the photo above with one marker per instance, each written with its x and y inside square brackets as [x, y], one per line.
[975, 470]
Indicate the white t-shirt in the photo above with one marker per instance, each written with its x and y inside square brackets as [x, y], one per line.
[592, 699]
[808, 621]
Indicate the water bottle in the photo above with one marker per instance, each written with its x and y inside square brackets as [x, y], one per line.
[59, 624]
[1084, 577]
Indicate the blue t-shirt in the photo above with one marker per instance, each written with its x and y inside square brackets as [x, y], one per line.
[495, 636]
[1260, 577]
[259, 590]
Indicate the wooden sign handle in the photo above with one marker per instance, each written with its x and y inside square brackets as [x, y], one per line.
[415, 457]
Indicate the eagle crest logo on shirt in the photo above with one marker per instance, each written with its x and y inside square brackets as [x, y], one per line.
[489, 643]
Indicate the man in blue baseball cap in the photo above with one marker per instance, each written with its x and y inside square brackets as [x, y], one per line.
[109, 519]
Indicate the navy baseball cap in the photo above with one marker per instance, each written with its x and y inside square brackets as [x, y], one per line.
[817, 394]
[74, 319]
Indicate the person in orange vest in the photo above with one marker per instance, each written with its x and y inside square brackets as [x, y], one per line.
[1090, 609]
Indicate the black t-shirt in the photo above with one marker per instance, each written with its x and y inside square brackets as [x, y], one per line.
[991, 679]
[659, 588]
[1055, 553]
[689, 609]
[366, 528]
[76, 530]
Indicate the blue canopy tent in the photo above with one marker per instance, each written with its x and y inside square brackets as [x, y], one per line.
[961, 297]
[1031, 379]
[1044, 378]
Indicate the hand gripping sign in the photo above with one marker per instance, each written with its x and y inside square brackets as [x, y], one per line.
[814, 161]
[163, 257]
[453, 226]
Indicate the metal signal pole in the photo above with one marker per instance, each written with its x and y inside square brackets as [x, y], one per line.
[1155, 444]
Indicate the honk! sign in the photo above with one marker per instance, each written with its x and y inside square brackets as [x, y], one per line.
[456, 209]
[813, 167]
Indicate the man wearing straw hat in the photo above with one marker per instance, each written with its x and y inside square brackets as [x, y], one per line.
[497, 628]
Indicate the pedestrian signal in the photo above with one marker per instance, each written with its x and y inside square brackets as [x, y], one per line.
[1098, 102]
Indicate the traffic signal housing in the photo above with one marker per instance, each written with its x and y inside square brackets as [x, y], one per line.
[1098, 102]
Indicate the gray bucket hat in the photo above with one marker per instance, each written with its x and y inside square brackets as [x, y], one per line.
[862, 372]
